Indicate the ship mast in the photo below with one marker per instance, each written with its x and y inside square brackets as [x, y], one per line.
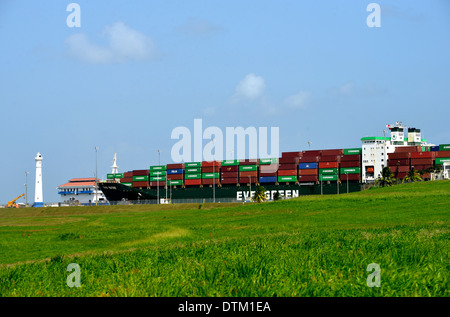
[114, 166]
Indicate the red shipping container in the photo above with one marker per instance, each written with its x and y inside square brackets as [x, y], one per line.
[155, 184]
[330, 158]
[424, 161]
[140, 184]
[175, 176]
[426, 175]
[192, 182]
[210, 181]
[287, 173]
[141, 172]
[401, 155]
[442, 154]
[403, 149]
[128, 174]
[308, 178]
[271, 168]
[175, 166]
[351, 164]
[246, 180]
[287, 167]
[312, 153]
[211, 163]
[248, 173]
[309, 159]
[262, 174]
[249, 162]
[126, 180]
[288, 160]
[211, 169]
[422, 167]
[332, 152]
[401, 169]
[230, 180]
[351, 177]
[347, 158]
[328, 165]
[233, 168]
[308, 172]
[423, 154]
[229, 174]
[394, 162]
[291, 154]
[401, 175]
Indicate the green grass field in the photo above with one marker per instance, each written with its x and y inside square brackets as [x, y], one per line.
[309, 246]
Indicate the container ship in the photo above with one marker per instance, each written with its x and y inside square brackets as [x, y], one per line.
[309, 172]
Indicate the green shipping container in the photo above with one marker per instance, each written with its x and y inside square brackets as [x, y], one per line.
[142, 178]
[282, 179]
[444, 147]
[193, 176]
[248, 168]
[351, 170]
[328, 178]
[268, 161]
[158, 173]
[158, 168]
[110, 176]
[211, 175]
[328, 171]
[229, 163]
[119, 175]
[192, 170]
[127, 184]
[158, 178]
[442, 160]
[175, 182]
[355, 151]
[193, 164]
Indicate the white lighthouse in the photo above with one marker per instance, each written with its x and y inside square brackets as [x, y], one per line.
[38, 193]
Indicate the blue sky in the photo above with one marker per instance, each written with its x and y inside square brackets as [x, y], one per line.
[136, 70]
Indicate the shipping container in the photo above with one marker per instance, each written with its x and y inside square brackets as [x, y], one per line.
[229, 168]
[175, 166]
[355, 151]
[211, 163]
[127, 184]
[210, 175]
[229, 163]
[230, 174]
[421, 161]
[401, 169]
[119, 175]
[434, 148]
[350, 177]
[288, 160]
[291, 154]
[309, 159]
[312, 153]
[262, 174]
[350, 158]
[267, 179]
[327, 177]
[246, 168]
[249, 162]
[444, 147]
[308, 178]
[267, 161]
[158, 173]
[350, 170]
[394, 162]
[126, 180]
[416, 155]
[328, 171]
[193, 164]
[442, 160]
[173, 182]
[403, 149]
[330, 158]
[443, 154]
[288, 167]
[350, 164]
[175, 171]
[158, 168]
[287, 179]
[158, 178]
[332, 152]
[271, 168]
[402, 155]
[143, 178]
[229, 180]
[140, 184]
[249, 173]
[192, 170]
[128, 174]
[210, 181]
[328, 164]
[210, 169]
[308, 172]
[247, 180]
[193, 176]
[141, 172]
[305, 166]
[422, 167]
[110, 176]
[158, 184]
[287, 172]
[401, 175]
[175, 176]
[193, 182]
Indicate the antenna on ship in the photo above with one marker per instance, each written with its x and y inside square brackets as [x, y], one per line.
[115, 168]
[309, 144]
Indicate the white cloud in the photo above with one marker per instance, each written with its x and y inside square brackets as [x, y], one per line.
[298, 101]
[124, 44]
[250, 88]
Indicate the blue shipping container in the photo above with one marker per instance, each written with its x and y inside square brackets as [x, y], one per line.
[306, 166]
[175, 171]
[268, 179]
[434, 148]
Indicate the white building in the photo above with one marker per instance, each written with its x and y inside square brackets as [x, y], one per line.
[82, 190]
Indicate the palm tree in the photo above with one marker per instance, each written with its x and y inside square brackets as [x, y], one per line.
[260, 194]
[386, 178]
[412, 176]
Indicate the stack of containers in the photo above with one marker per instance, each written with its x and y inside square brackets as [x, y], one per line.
[116, 176]
[350, 165]
[211, 172]
[229, 172]
[329, 164]
[422, 160]
[443, 155]
[248, 171]
[267, 170]
[400, 160]
[308, 166]
[175, 174]
[140, 178]
[127, 179]
[288, 167]
[193, 174]
[158, 175]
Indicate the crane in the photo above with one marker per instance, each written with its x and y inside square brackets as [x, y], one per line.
[12, 203]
